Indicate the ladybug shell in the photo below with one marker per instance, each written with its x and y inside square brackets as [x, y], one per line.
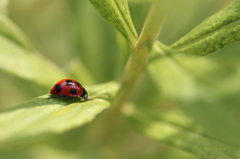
[69, 87]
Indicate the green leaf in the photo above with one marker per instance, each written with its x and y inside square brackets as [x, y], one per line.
[30, 66]
[13, 33]
[160, 128]
[116, 12]
[3, 6]
[207, 90]
[214, 33]
[42, 116]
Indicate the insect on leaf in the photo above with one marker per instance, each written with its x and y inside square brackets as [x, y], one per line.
[42, 116]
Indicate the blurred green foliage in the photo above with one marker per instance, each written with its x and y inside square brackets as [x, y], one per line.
[75, 38]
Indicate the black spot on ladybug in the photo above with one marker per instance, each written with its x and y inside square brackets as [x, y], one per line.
[73, 91]
[69, 82]
[58, 88]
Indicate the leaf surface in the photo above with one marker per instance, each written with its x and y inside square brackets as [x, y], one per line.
[116, 12]
[42, 116]
[207, 90]
[9, 30]
[3, 6]
[27, 65]
[214, 33]
[166, 129]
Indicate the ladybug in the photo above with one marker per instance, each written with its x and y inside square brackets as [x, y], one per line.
[69, 88]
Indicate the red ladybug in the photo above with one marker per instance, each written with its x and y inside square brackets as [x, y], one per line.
[70, 88]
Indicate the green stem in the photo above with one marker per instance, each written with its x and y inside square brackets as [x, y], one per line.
[136, 65]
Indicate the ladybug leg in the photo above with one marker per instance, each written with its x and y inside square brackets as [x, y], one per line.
[84, 100]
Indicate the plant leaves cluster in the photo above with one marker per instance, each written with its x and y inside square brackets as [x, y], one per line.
[201, 92]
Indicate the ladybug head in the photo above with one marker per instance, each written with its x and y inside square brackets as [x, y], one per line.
[84, 94]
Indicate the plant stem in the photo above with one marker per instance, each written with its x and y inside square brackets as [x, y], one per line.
[136, 65]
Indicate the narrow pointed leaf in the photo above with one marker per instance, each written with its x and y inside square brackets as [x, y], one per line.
[3, 6]
[206, 90]
[182, 138]
[13, 33]
[116, 12]
[30, 66]
[42, 116]
[214, 33]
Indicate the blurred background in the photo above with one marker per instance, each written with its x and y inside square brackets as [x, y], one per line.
[74, 36]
